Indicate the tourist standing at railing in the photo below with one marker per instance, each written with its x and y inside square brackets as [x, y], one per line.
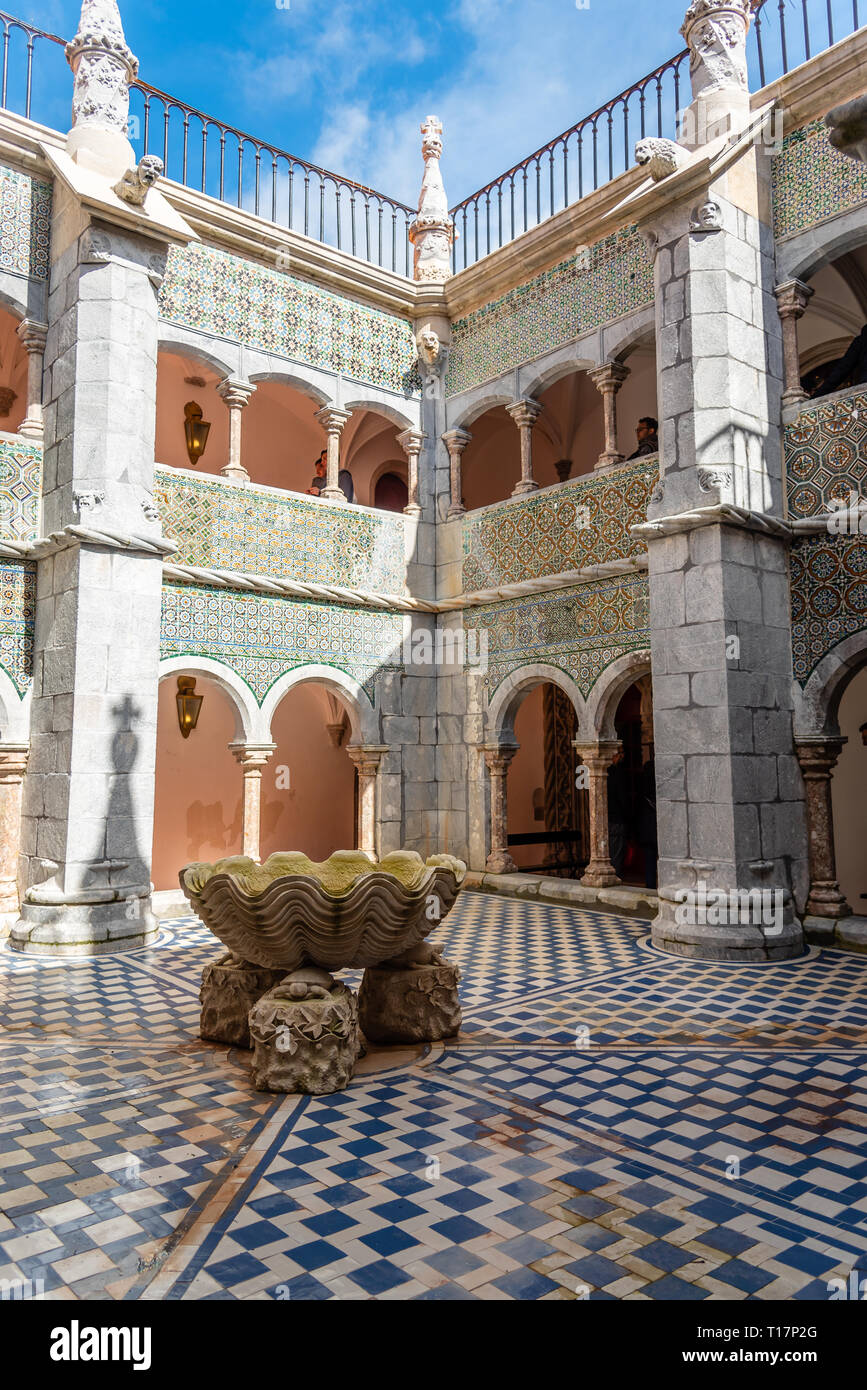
[647, 434]
[851, 369]
[344, 478]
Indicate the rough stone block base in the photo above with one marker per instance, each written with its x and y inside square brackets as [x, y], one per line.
[230, 988]
[305, 1035]
[411, 1000]
[90, 929]
[731, 942]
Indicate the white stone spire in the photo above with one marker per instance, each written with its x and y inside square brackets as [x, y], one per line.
[716, 34]
[103, 66]
[432, 232]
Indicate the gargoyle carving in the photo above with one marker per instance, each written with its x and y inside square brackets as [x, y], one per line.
[136, 183]
[660, 157]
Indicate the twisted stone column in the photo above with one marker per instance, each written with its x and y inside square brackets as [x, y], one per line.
[367, 759]
[32, 335]
[456, 441]
[252, 757]
[332, 421]
[13, 765]
[411, 442]
[608, 380]
[498, 756]
[817, 758]
[792, 298]
[597, 758]
[525, 413]
[236, 394]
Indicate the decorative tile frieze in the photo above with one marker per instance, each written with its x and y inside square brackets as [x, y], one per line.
[261, 638]
[265, 531]
[829, 597]
[20, 489]
[580, 630]
[584, 522]
[25, 223]
[811, 180]
[17, 616]
[222, 294]
[826, 455]
[609, 279]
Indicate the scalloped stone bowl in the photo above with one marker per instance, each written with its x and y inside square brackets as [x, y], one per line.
[350, 911]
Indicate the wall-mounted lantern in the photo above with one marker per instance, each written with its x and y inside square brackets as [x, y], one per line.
[189, 705]
[196, 429]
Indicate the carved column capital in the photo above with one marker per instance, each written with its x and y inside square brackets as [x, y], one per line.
[235, 391]
[609, 377]
[367, 757]
[498, 756]
[33, 334]
[252, 756]
[332, 419]
[456, 441]
[525, 412]
[13, 761]
[792, 298]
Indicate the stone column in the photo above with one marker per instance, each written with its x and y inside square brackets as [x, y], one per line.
[32, 335]
[236, 393]
[597, 758]
[252, 758]
[716, 35]
[411, 442]
[608, 380]
[525, 413]
[13, 765]
[456, 441]
[498, 756]
[432, 233]
[332, 421]
[818, 757]
[367, 759]
[792, 299]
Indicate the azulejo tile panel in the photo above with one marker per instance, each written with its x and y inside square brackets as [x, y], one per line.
[17, 615]
[580, 630]
[261, 638]
[20, 489]
[263, 531]
[829, 597]
[826, 455]
[585, 522]
[614, 277]
[812, 181]
[232, 298]
[25, 223]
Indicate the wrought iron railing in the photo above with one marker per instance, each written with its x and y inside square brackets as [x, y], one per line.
[215, 158]
[784, 34]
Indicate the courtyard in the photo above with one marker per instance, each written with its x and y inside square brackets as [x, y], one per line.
[612, 1122]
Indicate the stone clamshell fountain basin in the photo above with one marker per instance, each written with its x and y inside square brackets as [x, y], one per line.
[347, 912]
[288, 923]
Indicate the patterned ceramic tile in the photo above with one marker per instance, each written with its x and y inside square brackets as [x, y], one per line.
[554, 307]
[261, 638]
[829, 596]
[585, 522]
[17, 616]
[20, 489]
[25, 223]
[812, 180]
[218, 293]
[826, 454]
[580, 630]
[264, 531]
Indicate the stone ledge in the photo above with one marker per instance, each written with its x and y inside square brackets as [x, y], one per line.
[841, 933]
[624, 899]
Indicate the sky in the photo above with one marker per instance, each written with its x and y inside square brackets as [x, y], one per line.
[347, 83]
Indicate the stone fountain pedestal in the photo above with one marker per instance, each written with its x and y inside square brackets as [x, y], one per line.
[413, 998]
[230, 988]
[305, 1035]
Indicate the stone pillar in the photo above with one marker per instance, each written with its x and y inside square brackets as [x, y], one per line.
[525, 413]
[367, 759]
[87, 806]
[608, 380]
[597, 758]
[411, 442]
[332, 421]
[498, 756]
[32, 335]
[252, 758]
[456, 441]
[432, 233]
[13, 765]
[792, 299]
[818, 757]
[716, 35]
[236, 394]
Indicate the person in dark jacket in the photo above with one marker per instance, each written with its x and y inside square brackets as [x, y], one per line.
[647, 434]
[851, 368]
[647, 836]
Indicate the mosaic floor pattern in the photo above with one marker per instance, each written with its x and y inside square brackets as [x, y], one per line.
[612, 1124]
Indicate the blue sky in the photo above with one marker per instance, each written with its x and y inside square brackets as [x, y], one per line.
[347, 83]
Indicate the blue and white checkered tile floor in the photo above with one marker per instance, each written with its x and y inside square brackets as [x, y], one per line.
[612, 1123]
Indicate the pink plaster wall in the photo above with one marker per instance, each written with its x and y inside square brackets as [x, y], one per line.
[13, 371]
[316, 813]
[526, 774]
[847, 792]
